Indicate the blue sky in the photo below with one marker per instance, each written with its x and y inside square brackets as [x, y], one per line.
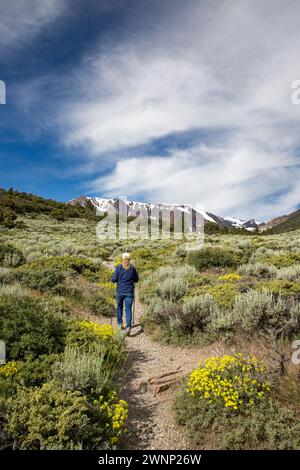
[171, 101]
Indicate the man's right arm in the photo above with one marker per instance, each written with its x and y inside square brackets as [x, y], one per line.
[115, 276]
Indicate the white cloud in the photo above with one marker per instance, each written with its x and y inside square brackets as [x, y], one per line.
[221, 65]
[21, 20]
[233, 67]
[232, 180]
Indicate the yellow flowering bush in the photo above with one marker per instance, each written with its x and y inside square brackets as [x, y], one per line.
[108, 285]
[232, 381]
[223, 293]
[86, 335]
[230, 277]
[117, 412]
[104, 331]
[9, 369]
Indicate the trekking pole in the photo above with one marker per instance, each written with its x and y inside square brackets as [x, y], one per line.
[133, 309]
[133, 304]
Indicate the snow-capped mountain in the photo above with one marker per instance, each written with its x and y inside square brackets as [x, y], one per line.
[104, 204]
[250, 224]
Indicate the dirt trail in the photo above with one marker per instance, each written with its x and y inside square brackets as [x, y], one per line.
[150, 423]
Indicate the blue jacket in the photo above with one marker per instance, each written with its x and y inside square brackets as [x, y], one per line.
[125, 279]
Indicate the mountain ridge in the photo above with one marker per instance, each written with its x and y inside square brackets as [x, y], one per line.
[231, 223]
[84, 206]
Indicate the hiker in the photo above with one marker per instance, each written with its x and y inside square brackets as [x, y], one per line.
[125, 276]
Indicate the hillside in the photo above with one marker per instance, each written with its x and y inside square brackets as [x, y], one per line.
[20, 203]
[283, 224]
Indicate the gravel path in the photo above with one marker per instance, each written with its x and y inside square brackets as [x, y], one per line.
[150, 424]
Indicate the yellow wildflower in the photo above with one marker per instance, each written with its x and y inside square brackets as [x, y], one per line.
[9, 369]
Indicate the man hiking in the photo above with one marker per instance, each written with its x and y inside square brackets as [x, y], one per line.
[125, 276]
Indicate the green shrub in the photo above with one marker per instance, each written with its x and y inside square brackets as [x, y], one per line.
[184, 274]
[66, 264]
[172, 289]
[6, 275]
[33, 372]
[6, 441]
[160, 310]
[58, 214]
[45, 280]
[100, 305]
[181, 252]
[10, 256]
[181, 322]
[221, 325]
[196, 314]
[151, 258]
[28, 327]
[289, 273]
[8, 217]
[282, 259]
[257, 269]
[278, 286]
[144, 259]
[223, 294]
[107, 290]
[91, 371]
[51, 418]
[201, 279]
[53, 274]
[256, 311]
[182, 271]
[212, 257]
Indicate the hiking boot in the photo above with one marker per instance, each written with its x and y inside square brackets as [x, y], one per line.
[128, 330]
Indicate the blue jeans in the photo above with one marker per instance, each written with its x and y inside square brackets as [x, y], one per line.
[126, 298]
